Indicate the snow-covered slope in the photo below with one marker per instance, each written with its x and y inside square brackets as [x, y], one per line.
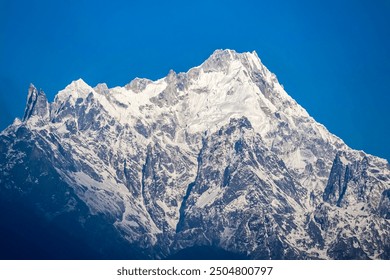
[219, 156]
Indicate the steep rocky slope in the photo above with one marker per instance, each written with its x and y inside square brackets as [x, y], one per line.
[218, 157]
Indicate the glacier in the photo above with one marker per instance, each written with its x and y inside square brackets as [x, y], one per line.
[219, 157]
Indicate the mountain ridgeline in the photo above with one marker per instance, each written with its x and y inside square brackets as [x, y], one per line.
[218, 162]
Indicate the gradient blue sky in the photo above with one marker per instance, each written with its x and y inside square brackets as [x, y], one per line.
[331, 56]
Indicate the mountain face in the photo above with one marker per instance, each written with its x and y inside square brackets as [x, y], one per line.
[218, 160]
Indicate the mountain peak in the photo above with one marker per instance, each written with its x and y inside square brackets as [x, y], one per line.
[220, 57]
[37, 104]
[79, 83]
[224, 52]
[138, 84]
[221, 150]
[78, 86]
[102, 88]
[31, 88]
[221, 60]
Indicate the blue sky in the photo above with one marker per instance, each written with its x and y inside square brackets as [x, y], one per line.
[331, 56]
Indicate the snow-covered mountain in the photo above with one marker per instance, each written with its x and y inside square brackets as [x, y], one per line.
[218, 158]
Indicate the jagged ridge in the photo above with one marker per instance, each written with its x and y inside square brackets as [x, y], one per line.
[219, 156]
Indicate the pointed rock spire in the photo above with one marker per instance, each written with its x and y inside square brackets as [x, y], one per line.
[36, 105]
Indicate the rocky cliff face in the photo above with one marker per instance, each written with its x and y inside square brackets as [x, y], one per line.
[219, 157]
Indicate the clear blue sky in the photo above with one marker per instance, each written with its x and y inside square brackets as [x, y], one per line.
[331, 56]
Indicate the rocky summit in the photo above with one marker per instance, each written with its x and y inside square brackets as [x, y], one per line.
[217, 162]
